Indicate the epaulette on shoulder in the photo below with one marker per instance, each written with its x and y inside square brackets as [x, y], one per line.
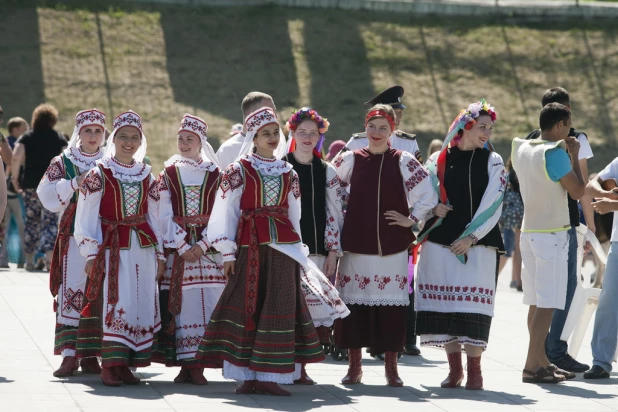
[362, 135]
[405, 135]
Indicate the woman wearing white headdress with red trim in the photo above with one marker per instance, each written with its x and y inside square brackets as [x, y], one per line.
[384, 184]
[262, 328]
[193, 280]
[58, 192]
[116, 230]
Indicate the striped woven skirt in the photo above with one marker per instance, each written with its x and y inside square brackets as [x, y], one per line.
[284, 332]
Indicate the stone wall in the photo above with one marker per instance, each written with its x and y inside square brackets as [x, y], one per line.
[549, 9]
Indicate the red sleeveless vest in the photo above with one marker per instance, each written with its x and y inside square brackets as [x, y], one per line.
[253, 197]
[376, 187]
[177, 193]
[112, 208]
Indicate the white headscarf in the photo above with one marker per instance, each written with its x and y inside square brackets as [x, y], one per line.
[90, 117]
[253, 123]
[129, 118]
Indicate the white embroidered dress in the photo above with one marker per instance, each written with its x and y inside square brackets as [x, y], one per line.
[203, 281]
[55, 193]
[137, 317]
[376, 280]
[444, 284]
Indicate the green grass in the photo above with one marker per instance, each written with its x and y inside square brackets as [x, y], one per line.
[163, 61]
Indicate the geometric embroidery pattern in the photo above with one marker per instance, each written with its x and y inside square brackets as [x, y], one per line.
[73, 301]
[193, 195]
[456, 293]
[93, 183]
[231, 180]
[131, 194]
[55, 171]
[272, 187]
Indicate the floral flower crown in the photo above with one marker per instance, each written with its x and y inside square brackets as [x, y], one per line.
[467, 117]
[308, 114]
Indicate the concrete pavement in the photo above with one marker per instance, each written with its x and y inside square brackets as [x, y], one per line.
[27, 363]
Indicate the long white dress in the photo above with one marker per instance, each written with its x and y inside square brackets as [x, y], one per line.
[136, 316]
[203, 281]
[55, 192]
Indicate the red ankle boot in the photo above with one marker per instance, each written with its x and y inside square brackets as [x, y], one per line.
[184, 376]
[355, 372]
[390, 365]
[69, 367]
[90, 365]
[197, 376]
[126, 376]
[304, 378]
[475, 377]
[455, 374]
[246, 388]
[270, 388]
[110, 377]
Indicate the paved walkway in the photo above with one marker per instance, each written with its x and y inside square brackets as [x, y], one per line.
[27, 363]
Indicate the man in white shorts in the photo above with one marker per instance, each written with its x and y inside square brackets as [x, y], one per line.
[546, 174]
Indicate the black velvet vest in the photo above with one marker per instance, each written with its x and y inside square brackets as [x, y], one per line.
[465, 179]
[312, 179]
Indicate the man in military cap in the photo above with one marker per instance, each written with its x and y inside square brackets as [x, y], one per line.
[399, 140]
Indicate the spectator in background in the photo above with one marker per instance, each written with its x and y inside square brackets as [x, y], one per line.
[35, 149]
[510, 225]
[16, 127]
[237, 128]
[334, 148]
[434, 146]
[5, 149]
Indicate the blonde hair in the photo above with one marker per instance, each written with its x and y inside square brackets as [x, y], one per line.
[253, 101]
[14, 123]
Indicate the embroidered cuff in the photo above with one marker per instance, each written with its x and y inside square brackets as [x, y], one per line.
[161, 256]
[229, 257]
[414, 218]
[74, 185]
[474, 239]
[91, 257]
[183, 248]
[203, 245]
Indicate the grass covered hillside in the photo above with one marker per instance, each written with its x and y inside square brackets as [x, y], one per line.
[163, 61]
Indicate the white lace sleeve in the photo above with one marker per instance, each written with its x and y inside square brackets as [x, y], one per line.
[88, 233]
[153, 214]
[418, 188]
[226, 212]
[55, 191]
[334, 211]
[495, 189]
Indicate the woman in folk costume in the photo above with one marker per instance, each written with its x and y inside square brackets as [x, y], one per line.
[193, 280]
[58, 192]
[384, 184]
[117, 233]
[262, 326]
[456, 279]
[321, 210]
